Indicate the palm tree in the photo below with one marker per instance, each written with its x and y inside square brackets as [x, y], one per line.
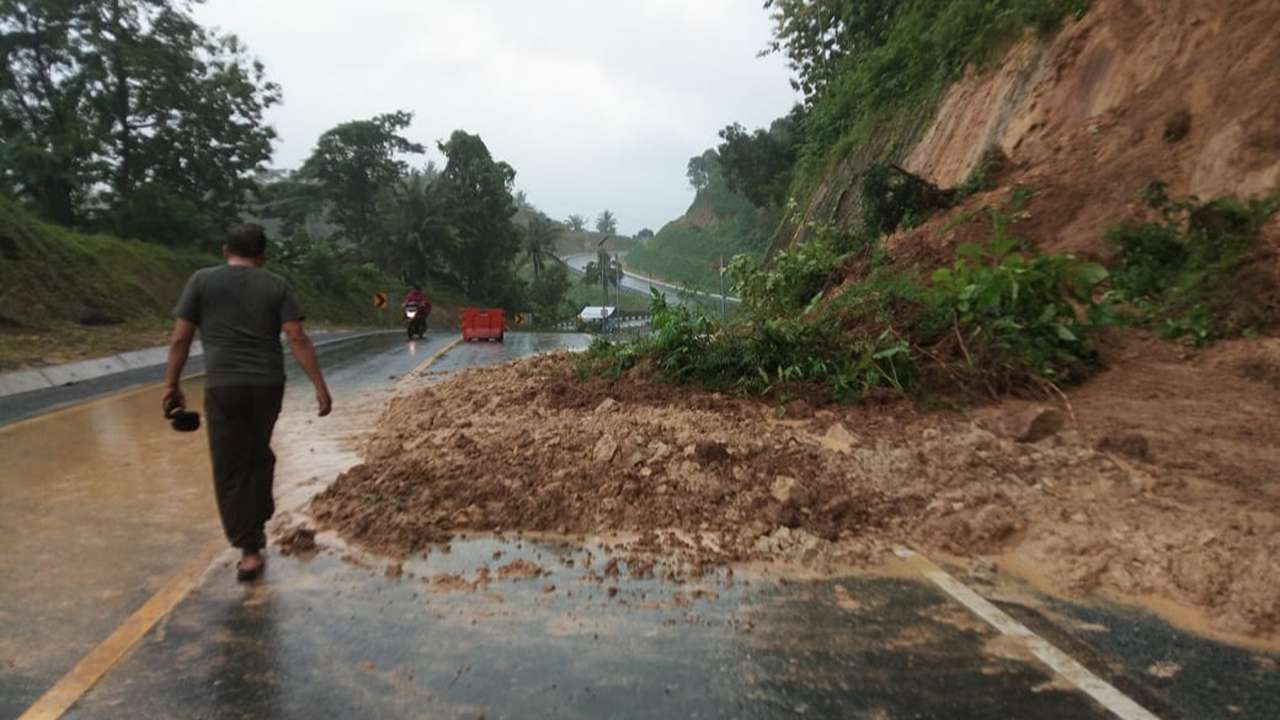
[539, 240]
[417, 227]
[607, 223]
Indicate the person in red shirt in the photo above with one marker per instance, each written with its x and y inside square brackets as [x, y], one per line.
[416, 297]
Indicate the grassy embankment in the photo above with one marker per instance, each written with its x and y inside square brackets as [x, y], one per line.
[67, 296]
[687, 251]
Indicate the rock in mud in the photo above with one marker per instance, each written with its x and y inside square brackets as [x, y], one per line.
[788, 491]
[297, 541]
[797, 410]
[1028, 424]
[605, 449]
[710, 453]
[839, 438]
[1132, 444]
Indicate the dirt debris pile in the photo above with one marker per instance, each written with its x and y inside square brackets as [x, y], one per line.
[699, 479]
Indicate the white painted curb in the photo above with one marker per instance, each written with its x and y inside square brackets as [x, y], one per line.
[21, 381]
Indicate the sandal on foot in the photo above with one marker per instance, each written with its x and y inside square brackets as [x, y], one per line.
[248, 575]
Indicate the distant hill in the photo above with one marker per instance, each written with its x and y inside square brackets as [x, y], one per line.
[718, 224]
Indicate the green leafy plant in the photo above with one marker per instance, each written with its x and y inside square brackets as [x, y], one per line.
[792, 283]
[1020, 312]
[1187, 274]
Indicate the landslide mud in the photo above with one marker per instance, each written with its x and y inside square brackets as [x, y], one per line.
[694, 479]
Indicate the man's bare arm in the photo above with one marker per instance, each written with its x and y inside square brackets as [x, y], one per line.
[184, 332]
[305, 353]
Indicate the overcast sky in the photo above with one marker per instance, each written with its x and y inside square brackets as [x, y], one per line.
[596, 103]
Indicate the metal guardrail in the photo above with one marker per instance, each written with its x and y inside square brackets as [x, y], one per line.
[615, 323]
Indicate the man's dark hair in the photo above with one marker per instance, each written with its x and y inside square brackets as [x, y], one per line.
[247, 241]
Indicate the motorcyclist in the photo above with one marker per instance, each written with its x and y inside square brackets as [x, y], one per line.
[416, 297]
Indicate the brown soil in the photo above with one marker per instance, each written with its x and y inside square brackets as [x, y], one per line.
[1163, 484]
[297, 541]
[1083, 119]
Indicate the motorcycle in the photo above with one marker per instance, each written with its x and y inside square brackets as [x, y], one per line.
[415, 318]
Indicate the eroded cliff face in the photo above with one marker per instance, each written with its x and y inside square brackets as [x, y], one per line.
[1090, 116]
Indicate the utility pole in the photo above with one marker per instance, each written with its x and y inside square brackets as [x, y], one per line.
[722, 308]
[602, 260]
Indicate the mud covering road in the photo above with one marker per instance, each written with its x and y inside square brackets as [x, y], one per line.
[707, 479]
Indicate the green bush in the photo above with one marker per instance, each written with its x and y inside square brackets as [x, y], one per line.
[1186, 274]
[1016, 311]
[1000, 317]
[790, 284]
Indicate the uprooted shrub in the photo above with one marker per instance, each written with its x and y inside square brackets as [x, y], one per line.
[999, 318]
[1194, 274]
[894, 198]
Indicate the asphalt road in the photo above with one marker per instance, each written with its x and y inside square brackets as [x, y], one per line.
[103, 509]
[673, 293]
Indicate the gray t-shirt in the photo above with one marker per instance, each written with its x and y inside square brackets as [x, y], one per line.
[239, 311]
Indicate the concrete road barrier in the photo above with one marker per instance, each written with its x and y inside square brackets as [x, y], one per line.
[21, 381]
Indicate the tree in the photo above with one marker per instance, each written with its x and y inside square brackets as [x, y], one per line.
[644, 234]
[606, 223]
[415, 223]
[591, 273]
[577, 223]
[547, 293]
[476, 192]
[539, 241]
[46, 121]
[356, 163]
[817, 35]
[758, 164]
[702, 168]
[130, 109]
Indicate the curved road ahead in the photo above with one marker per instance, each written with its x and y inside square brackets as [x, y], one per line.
[673, 293]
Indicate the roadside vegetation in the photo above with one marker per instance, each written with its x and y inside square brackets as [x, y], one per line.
[1002, 317]
[868, 71]
[720, 225]
[183, 154]
[836, 319]
[67, 295]
[1194, 273]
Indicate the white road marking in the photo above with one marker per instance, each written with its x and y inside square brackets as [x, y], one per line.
[1119, 704]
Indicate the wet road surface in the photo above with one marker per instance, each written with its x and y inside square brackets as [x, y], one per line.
[336, 636]
[102, 502]
[329, 639]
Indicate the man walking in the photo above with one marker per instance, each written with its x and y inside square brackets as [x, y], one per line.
[241, 310]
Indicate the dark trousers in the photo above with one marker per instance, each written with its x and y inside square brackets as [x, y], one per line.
[240, 420]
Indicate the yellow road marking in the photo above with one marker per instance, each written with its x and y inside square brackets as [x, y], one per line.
[59, 698]
[422, 367]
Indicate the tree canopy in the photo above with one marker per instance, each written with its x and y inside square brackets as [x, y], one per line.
[353, 164]
[477, 192]
[129, 114]
[606, 223]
